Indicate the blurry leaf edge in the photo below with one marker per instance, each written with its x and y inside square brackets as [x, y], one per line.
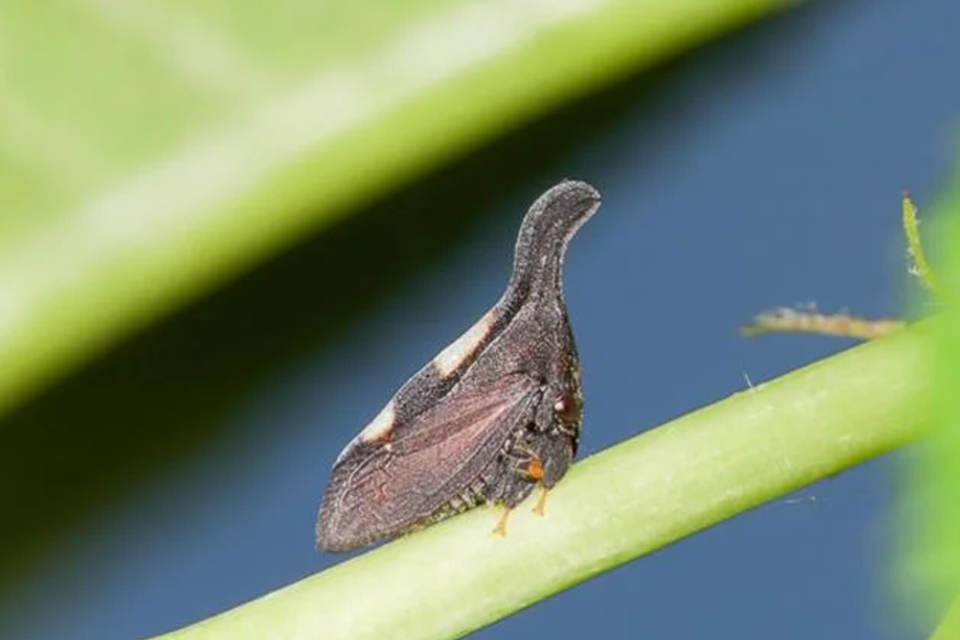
[230, 199]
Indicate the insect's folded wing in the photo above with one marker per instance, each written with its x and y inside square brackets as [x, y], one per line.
[383, 489]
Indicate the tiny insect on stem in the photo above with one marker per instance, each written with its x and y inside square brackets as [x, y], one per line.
[501, 406]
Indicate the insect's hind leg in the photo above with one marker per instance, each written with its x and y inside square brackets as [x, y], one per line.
[509, 486]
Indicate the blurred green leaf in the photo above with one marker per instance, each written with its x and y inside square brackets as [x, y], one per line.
[150, 150]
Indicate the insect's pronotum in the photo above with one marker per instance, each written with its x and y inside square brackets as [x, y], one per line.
[492, 416]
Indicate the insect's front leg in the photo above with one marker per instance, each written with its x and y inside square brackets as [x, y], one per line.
[519, 473]
[515, 473]
[533, 468]
[553, 441]
[537, 459]
[518, 469]
[538, 453]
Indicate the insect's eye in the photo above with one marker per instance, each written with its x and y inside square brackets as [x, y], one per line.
[567, 408]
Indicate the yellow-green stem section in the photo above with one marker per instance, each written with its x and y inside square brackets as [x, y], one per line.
[949, 627]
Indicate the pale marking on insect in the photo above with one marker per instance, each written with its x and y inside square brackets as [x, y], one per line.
[380, 427]
[448, 360]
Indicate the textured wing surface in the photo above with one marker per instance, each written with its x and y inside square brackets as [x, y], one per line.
[381, 489]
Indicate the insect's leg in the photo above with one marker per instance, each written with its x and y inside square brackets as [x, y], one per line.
[518, 488]
[529, 470]
[514, 478]
[534, 471]
[501, 528]
[541, 505]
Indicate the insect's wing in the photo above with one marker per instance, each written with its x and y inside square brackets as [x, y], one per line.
[379, 489]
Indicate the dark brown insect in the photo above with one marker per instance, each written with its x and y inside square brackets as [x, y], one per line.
[488, 419]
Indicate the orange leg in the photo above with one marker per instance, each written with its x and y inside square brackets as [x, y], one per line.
[541, 505]
[501, 528]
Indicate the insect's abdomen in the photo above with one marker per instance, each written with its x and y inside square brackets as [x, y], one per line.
[471, 497]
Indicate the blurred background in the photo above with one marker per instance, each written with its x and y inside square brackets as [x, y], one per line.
[228, 233]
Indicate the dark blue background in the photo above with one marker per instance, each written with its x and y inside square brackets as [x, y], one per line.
[178, 476]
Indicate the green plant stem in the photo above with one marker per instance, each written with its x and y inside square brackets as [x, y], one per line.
[617, 505]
